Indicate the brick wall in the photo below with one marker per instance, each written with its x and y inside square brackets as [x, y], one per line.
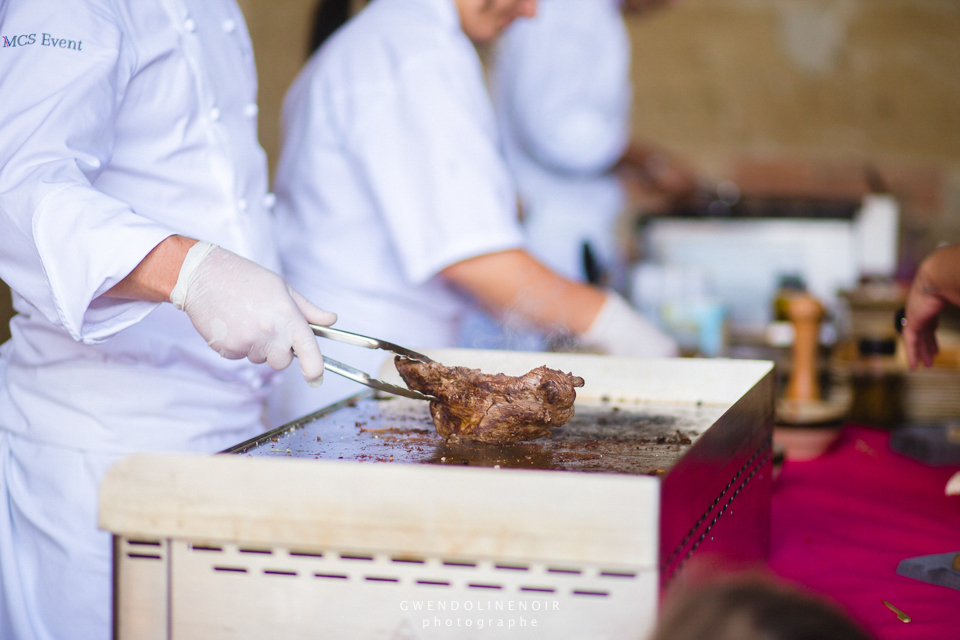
[801, 96]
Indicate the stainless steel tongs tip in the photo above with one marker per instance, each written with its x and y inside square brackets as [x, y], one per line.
[370, 343]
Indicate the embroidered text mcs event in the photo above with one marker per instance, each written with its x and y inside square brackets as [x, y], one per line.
[46, 40]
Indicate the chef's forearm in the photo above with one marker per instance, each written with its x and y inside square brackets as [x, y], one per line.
[156, 275]
[513, 281]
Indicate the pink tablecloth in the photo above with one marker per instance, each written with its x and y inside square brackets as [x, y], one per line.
[843, 521]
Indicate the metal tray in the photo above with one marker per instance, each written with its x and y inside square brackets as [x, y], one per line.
[604, 436]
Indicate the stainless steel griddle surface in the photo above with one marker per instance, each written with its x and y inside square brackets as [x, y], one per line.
[604, 436]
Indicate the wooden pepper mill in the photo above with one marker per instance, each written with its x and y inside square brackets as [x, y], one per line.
[805, 313]
[813, 423]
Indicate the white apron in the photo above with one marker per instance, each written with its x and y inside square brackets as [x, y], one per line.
[55, 564]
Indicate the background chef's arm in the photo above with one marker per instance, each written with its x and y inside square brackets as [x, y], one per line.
[514, 281]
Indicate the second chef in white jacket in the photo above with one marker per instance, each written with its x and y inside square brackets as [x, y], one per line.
[563, 96]
[394, 202]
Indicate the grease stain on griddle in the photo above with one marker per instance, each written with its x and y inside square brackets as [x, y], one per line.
[605, 436]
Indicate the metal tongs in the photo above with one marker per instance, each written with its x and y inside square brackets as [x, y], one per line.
[370, 343]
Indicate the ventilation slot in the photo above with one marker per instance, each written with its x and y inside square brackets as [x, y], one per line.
[617, 574]
[511, 567]
[344, 556]
[459, 563]
[434, 583]
[144, 543]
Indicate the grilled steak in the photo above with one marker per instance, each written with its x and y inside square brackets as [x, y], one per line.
[496, 409]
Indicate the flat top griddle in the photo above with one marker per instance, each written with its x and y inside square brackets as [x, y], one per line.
[636, 438]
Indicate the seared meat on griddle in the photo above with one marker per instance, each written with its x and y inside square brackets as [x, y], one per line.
[496, 409]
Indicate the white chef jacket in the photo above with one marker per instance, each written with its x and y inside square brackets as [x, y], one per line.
[391, 171]
[562, 95]
[124, 121]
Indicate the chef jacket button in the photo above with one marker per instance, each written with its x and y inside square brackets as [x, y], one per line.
[242, 204]
[190, 25]
[269, 200]
[229, 25]
[214, 114]
[251, 110]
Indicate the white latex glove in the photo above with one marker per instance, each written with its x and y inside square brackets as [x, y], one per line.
[619, 330]
[245, 311]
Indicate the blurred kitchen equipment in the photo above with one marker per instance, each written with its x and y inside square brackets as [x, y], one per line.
[803, 403]
[934, 444]
[746, 248]
[789, 286]
[900, 320]
[871, 305]
[877, 383]
[872, 364]
[805, 312]
[678, 299]
[593, 271]
[941, 569]
[369, 343]
[670, 458]
[868, 362]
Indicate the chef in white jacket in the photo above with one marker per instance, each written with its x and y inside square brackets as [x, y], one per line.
[128, 133]
[562, 94]
[394, 203]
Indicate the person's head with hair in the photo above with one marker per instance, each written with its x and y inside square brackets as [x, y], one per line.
[753, 609]
[328, 16]
[481, 20]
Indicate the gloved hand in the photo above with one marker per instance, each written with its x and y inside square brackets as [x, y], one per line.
[619, 330]
[246, 311]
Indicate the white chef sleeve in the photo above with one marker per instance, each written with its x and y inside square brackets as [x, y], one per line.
[65, 65]
[563, 81]
[428, 150]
